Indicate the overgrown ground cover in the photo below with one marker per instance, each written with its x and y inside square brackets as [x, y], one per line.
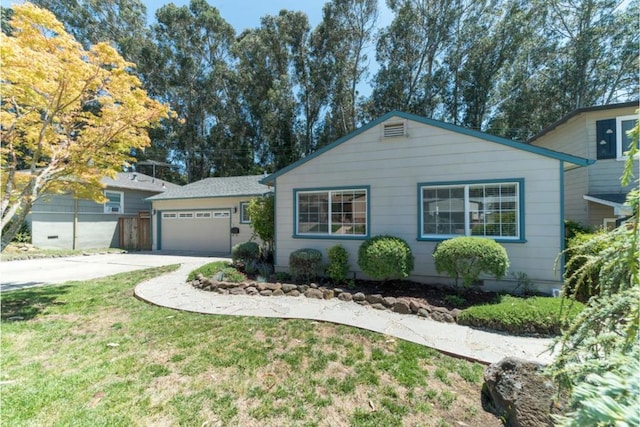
[14, 252]
[89, 353]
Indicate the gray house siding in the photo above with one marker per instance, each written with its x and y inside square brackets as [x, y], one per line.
[52, 217]
[391, 171]
[577, 135]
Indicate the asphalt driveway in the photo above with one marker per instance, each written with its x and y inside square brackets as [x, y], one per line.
[38, 272]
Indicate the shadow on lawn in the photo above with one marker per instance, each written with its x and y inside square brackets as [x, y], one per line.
[28, 303]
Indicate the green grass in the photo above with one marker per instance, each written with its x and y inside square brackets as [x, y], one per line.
[535, 315]
[208, 270]
[89, 353]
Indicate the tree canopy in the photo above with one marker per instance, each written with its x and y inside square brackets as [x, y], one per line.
[259, 98]
[69, 116]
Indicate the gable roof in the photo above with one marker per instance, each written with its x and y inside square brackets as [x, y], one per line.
[233, 186]
[470, 132]
[582, 111]
[137, 181]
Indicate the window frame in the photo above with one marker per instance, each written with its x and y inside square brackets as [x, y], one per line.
[106, 208]
[619, 135]
[243, 212]
[329, 234]
[520, 211]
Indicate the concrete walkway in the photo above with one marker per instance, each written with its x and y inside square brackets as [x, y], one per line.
[171, 291]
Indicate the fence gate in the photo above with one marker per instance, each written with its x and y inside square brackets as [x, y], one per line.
[135, 231]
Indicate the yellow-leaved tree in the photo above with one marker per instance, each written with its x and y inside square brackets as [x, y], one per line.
[69, 116]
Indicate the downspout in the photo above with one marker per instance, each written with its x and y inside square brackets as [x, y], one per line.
[75, 221]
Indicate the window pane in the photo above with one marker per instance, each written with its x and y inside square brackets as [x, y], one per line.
[443, 211]
[626, 126]
[313, 213]
[349, 212]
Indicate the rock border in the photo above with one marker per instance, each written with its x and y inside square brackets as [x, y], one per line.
[375, 301]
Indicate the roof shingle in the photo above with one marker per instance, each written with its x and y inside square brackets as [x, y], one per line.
[232, 186]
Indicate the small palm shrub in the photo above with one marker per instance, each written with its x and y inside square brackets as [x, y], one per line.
[385, 258]
[338, 268]
[467, 257]
[304, 264]
[245, 253]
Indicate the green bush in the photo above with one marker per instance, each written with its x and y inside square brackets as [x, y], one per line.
[582, 248]
[522, 316]
[467, 257]
[304, 264]
[261, 211]
[385, 258]
[229, 274]
[245, 253]
[338, 268]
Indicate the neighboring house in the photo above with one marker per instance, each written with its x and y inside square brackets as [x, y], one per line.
[594, 195]
[426, 181]
[61, 221]
[205, 216]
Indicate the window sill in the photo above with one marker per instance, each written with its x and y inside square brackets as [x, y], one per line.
[442, 239]
[329, 237]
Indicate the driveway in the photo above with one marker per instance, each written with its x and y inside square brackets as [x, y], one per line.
[38, 272]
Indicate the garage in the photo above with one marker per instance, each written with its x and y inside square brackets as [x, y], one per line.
[198, 230]
[208, 216]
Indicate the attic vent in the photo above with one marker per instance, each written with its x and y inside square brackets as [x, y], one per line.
[393, 130]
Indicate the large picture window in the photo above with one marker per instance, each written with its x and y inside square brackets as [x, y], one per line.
[487, 209]
[332, 212]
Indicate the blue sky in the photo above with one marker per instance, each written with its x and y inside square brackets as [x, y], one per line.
[244, 14]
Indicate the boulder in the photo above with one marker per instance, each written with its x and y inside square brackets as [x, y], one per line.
[287, 287]
[378, 306]
[314, 293]
[388, 301]
[359, 296]
[517, 391]
[327, 293]
[303, 288]
[374, 299]
[423, 312]
[251, 290]
[442, 316]
[293, 293]
[415, 306]
[273, 286]
[345, 296]
[237, 291]
[266, 292]
[401, 306]
[278, 292]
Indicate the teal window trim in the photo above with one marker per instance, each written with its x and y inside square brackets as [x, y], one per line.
[438, 238]
[243, 212]
[298, 191]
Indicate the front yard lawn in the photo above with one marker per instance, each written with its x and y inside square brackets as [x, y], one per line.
[89, 353]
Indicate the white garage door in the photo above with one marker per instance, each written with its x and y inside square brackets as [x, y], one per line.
[205, 231]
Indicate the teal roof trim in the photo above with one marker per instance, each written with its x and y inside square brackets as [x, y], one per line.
[454, 128]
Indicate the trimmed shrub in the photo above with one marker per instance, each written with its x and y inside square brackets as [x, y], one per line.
[304, 264]
[245, 253]
[522, 316]
[385, 258]
[581, 249]
[467, 257]
[338, 268]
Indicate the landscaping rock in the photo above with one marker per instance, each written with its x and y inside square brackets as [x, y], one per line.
[293, 293]
[423, 312]
[222, 291]
[378, 306]
[251, 290]
[345, 296]
[266, 292]
[278, 293]
[455, 313]
[273, 286]
[517, 391]
[441, 316]
[388, 301]
[289, 287]
[303, 288]
[338, 291]
[313, 286]
[374, 299]
[401, 306]
[414, 306]
[362, 302]
[359, 296]
[314, 293]
[237, 291]
[327, 294]
[260, 286]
